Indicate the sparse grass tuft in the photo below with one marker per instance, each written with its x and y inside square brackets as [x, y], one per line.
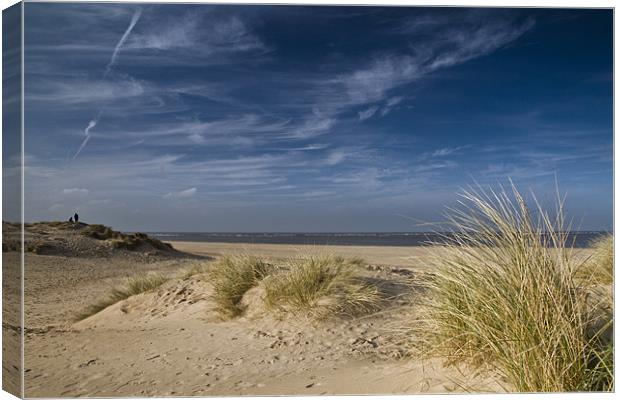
[134, 286]
[505, 295]
[321, 286]
[231, 277]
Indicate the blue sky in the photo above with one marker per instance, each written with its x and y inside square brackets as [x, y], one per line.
[281, 118]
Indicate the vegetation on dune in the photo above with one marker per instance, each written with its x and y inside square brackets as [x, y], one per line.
[231, 277]
[46, 237]
[134, 286]
[121, 240]
[11, 245]
[196, 268]
[599, 268]
[321, 286]
[318, 286]
[505, 295]
[100, 232]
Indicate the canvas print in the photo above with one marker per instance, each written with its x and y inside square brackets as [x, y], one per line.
[225, 199]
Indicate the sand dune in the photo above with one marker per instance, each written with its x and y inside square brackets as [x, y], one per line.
[172, 342]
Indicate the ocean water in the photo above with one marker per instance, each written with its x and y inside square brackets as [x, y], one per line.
[580, 239]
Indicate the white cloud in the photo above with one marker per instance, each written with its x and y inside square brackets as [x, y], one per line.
[446, 46]
[390, 104]
[101, 202]
[77, 191]
[371, 84]
[392, 101]
[182, 194]
[172, 35]
[196, 138]
[313, 126]
[365, 114]
[445, 151]
[310, 147]
[196, 35]
[86, 92]
[431, 167]
[335, 157]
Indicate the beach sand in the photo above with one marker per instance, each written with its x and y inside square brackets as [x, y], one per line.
[395, 256]
[170, 342]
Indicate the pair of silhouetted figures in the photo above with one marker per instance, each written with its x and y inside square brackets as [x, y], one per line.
[75, 218]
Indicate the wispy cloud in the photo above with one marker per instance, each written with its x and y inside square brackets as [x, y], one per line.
[87, 93]
[221, 115]
[447, 43]
[445, 151]
[390, 104]
[335, 157]
[365, 114]
[80, 191]
[181, 194]
[201, 37]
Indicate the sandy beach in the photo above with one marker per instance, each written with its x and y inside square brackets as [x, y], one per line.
[171, 339]
[414, 257]
[171, 342]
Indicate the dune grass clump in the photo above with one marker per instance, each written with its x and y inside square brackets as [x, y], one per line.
[135, 240]
[100, 232]
[504, 295]
[120, 240]
[133, 286]
[599, 268]
[321, 286]
[231, 277]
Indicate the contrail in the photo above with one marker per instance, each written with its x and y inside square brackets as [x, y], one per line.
[82, 146]
[91, 125]
[134, 20]
[93, 122]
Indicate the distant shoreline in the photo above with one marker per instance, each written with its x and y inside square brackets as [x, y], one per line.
[399, 239]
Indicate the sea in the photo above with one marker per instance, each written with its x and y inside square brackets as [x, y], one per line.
[579, 239]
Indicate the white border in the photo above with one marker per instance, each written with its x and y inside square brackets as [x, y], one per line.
[22, 188]
[457, 3]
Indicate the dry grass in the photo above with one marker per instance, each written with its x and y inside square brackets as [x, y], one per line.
[100, 232]
[197, 268]
[599, 268]
[136, 240]
[231, 277]
[120, 240]
[134, 285]
[321, 286]
[506, 296]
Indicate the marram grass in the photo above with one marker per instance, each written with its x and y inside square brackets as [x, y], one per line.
[599, 268]
[133, 286]
[505, 296]
[231, 277]
[319, 287]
